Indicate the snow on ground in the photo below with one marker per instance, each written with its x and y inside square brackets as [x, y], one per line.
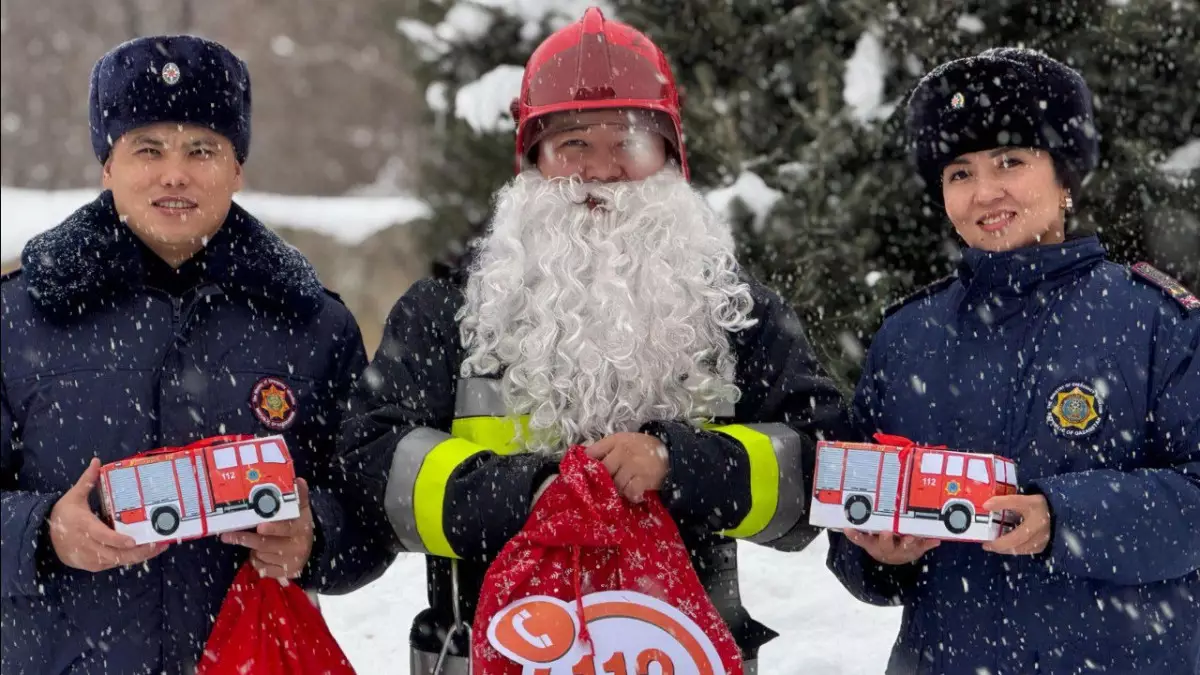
[350, 220]
[822, 628]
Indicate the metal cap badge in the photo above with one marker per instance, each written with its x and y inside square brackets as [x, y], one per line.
[171, 74]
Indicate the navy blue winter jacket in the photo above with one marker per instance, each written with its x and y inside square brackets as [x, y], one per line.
[101, 357]
[1088, 377]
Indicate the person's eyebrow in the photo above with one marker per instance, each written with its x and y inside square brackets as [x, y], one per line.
[147, 139]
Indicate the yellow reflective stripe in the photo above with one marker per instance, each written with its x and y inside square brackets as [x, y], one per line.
[495, 433]
[429, 492]
[764, 479]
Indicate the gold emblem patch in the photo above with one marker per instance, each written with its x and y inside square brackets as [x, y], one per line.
[274, 403]
[1074, 410]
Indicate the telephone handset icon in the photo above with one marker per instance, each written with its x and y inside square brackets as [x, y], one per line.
[518, 622]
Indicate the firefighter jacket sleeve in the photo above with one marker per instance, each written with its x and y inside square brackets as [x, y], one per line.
[436, 493]
[1140, 527]
[752, 479]
[866, 578]
[23, 516]
[348, 552]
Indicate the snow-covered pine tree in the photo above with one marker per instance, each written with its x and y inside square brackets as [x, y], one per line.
[810, 97]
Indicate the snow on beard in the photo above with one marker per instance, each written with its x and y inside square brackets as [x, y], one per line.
[604, 317]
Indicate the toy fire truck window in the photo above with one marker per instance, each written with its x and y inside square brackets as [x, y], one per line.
[249, 454]
[272, 454]
[225, 458]
[932, 463]
[124, 489]
[977, 471]
[954, 465]
[1005, 472]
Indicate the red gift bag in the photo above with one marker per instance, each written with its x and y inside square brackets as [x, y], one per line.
[594, 585]
[270, 628]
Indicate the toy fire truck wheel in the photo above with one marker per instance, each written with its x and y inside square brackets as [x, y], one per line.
[858, 510]
[164, 520]
[957, 518]
[266, 503]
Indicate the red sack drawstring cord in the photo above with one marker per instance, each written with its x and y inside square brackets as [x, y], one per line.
[584, 636]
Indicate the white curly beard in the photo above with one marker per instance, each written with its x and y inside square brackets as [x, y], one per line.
[603, 319]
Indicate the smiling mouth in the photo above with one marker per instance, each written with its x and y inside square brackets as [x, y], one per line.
[996, 221]
[174, 204]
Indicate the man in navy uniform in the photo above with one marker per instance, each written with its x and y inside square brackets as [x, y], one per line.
[159, 314]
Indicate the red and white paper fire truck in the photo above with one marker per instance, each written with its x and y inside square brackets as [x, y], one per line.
[898, 486]
[214, 485]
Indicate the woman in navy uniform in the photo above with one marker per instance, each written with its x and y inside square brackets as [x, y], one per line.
[1082, 371]
[159, 314]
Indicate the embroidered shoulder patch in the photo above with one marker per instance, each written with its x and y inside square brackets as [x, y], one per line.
[1074, 410]
[1171, 287]
[274, 403]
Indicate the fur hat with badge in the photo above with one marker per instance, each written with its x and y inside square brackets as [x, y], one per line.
[1002, 98]
[170, 78]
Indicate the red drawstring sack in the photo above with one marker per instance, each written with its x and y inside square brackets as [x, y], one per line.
[270, 628]
[594, 585]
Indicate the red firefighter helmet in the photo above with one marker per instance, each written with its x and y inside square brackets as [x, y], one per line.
[596, 64]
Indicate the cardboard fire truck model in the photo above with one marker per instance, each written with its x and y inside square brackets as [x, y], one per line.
[897, 486]
[212, 486]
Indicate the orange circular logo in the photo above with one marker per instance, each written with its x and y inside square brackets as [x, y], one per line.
[537, 631]
[630, 632]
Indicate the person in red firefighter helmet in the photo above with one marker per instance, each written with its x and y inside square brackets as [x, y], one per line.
[604, 307]
[599, 72]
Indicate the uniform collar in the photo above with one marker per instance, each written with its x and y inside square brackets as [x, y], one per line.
[174, 280]
[1026, 270]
